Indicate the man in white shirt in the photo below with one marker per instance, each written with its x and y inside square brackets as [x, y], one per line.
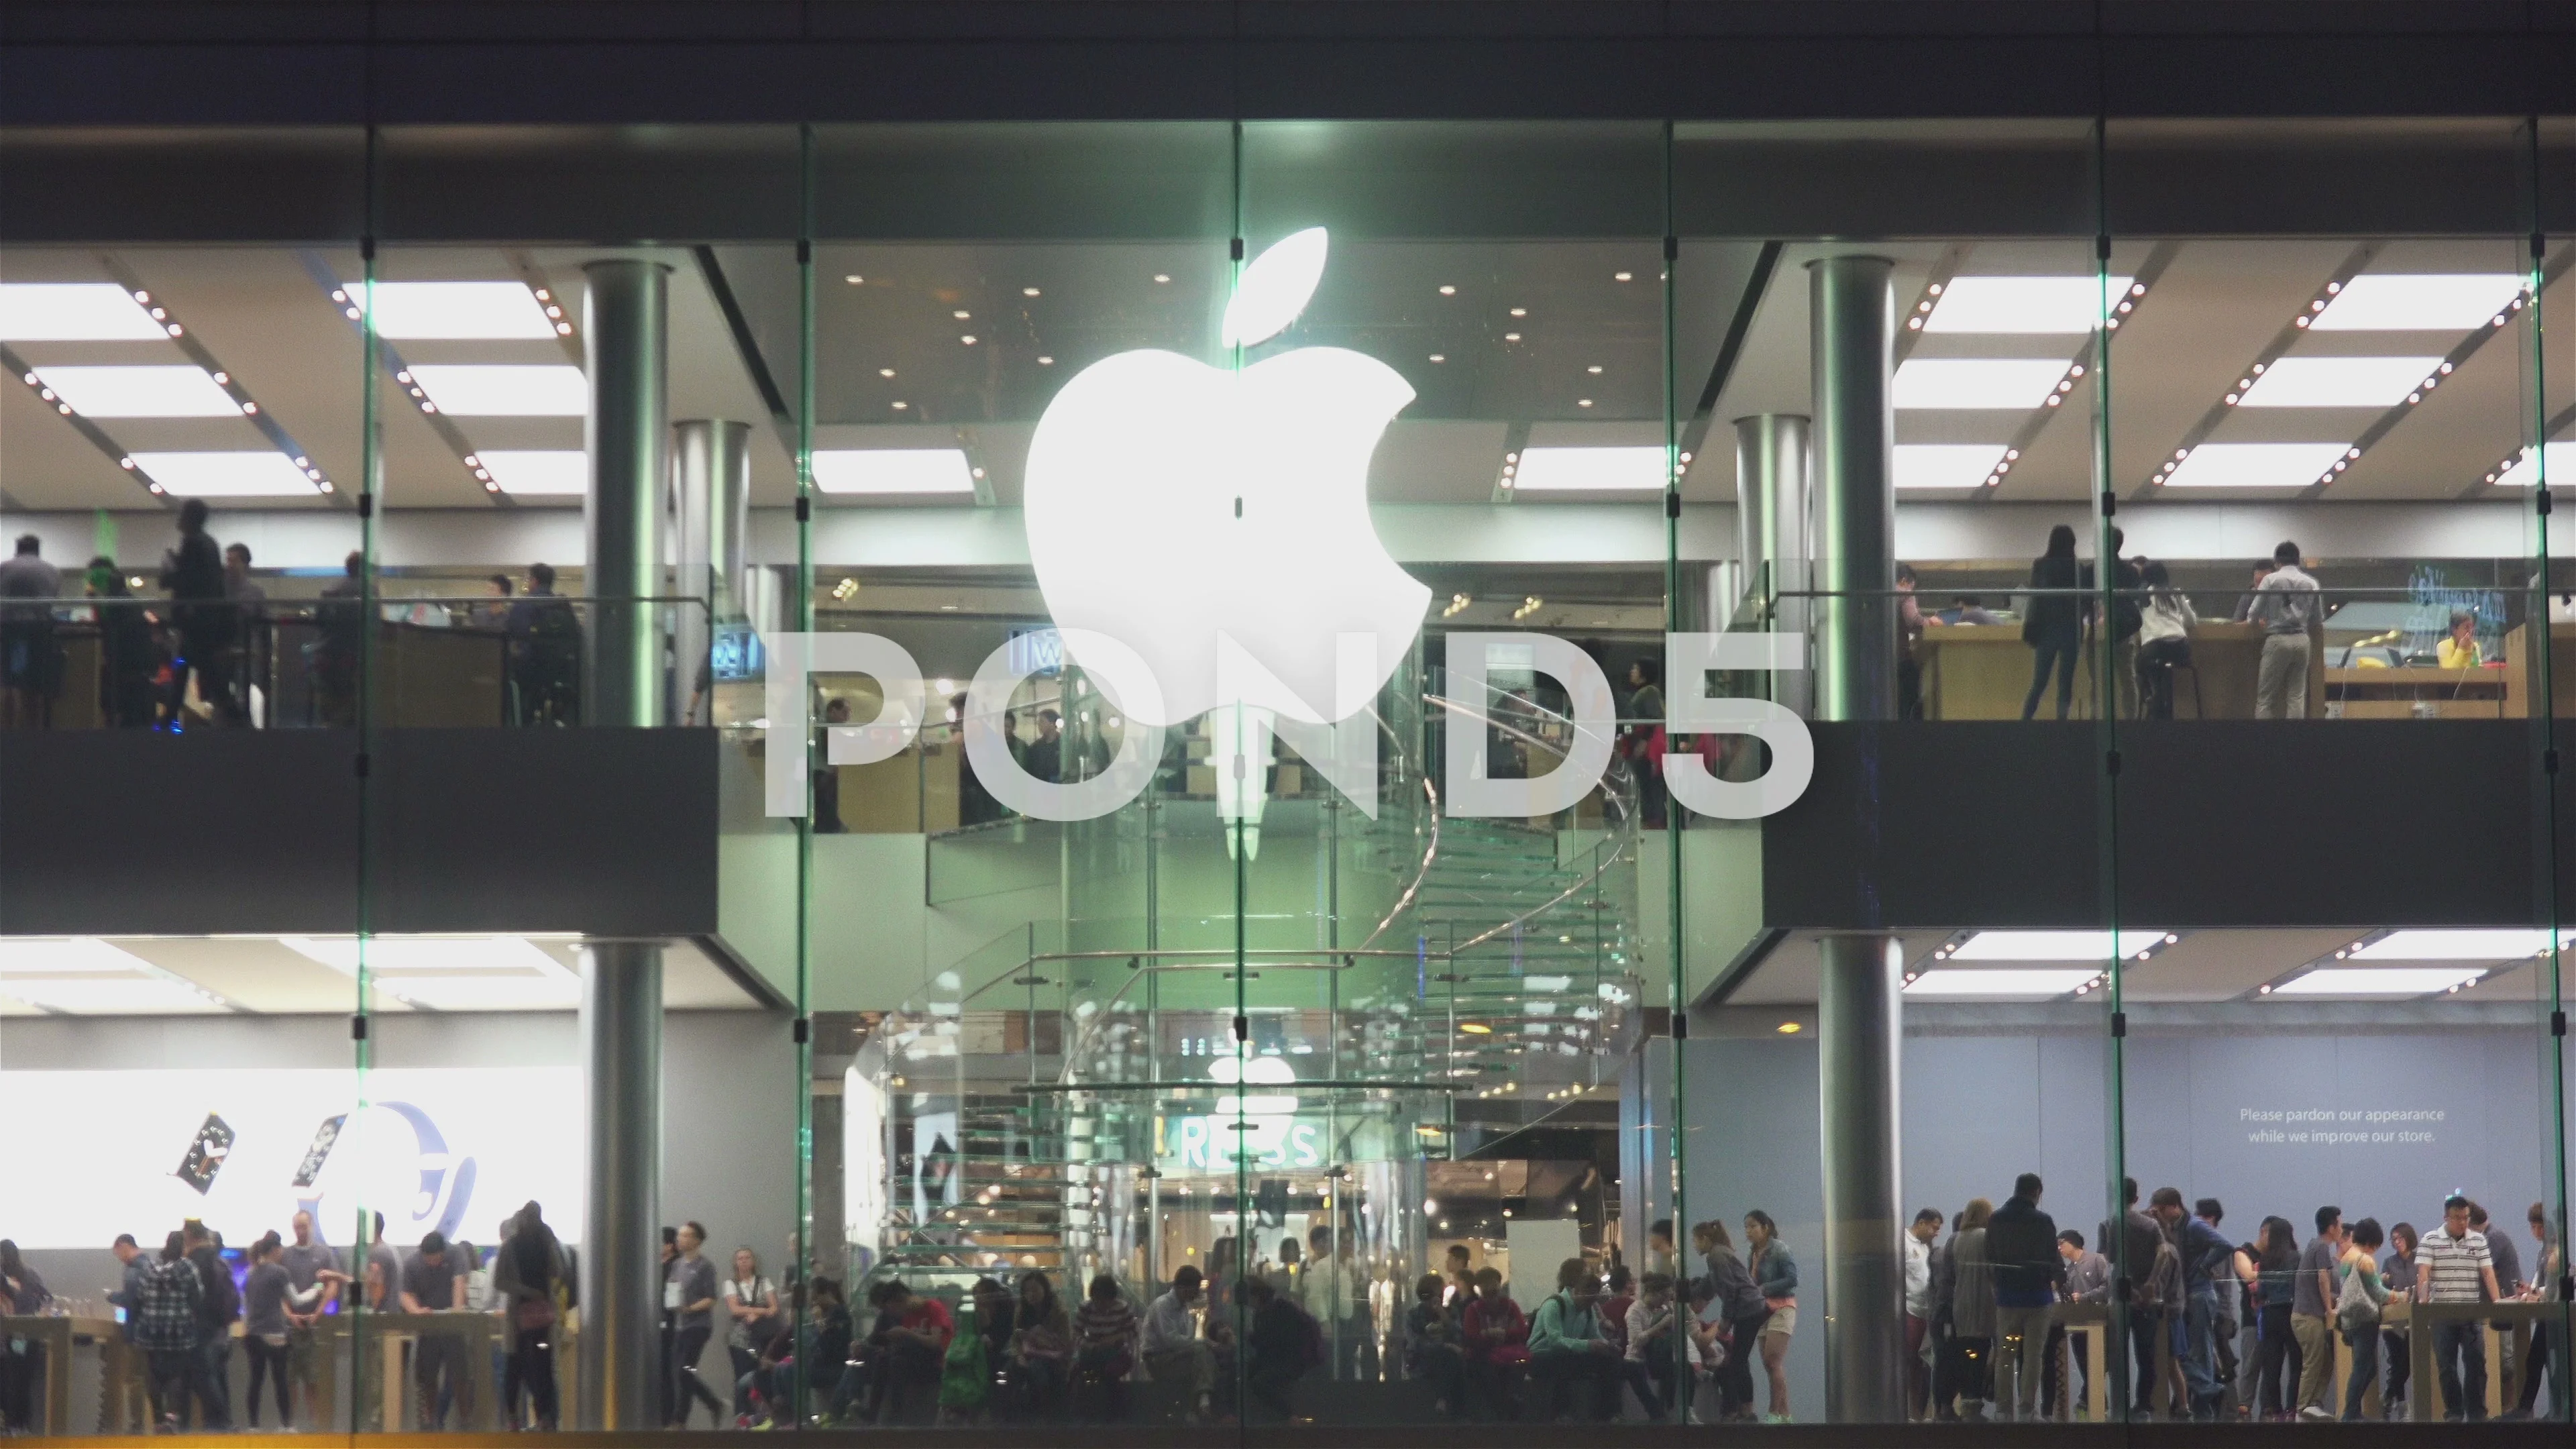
[1918, 1307]
[2453, 1265]
[1333, 1292]
[1174, 1353]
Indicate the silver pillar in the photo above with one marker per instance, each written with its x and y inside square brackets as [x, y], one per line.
[1772, 508]
[621, 1240]
[1859, 1033]
[626, 343]
[1852, 328]
[714, 473]
[1860, 1025]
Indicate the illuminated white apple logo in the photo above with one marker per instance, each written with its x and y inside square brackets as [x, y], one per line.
[1216, 521]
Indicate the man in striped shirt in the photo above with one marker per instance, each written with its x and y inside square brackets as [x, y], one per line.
[2453, 1265]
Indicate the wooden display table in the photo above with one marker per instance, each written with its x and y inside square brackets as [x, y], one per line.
[2424, 1381]
[2520, 655]
[2409, 693]
[2091, 1323]
[121, 1407]
[383, 1339]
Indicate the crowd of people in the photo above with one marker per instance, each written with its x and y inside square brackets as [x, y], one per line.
[2218, 1329]
[187, 1304]
[207, 653]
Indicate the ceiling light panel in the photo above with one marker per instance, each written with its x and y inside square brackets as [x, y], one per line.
[485, 993]
[2339, 382]
[2015, 383]
[2054, 945]
[2256, 465]
[2376, 981]
[236, 473]
[483, 390]
[1946, 465]
[2030, 984]
[863, 471]
[2561, 458]
[64, 956]
[111, 996]
[74, 312]
[405, 955]
[177, 391]
[2419, 302]
[461, 311]
[2027, 305]
[2509, 944]
[1591, 470]
[544, 473]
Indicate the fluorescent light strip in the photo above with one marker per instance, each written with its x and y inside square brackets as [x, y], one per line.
[403, 955]
[2255, 465]
[483, 993]
[1949, 465]
[860, 471]
[456, 311]
[544, 473]
[233, 473]
[1590, 470]
[2376, 981]
[2060, 306]
[2506, 944]
[2027, 984]
[64, 956]
[172, 391]
[75, 312]
[2015, 383]
[482, 390]
[2339, 382]
[2056, 945]
[2411, 302]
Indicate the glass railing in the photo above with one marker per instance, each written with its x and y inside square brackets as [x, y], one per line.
[428, 660]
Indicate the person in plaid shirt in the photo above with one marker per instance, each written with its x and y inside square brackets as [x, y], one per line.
[163, 1323]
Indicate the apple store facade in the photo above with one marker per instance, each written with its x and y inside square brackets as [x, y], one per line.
[1570, 768]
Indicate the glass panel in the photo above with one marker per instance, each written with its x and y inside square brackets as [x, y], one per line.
[2326, 412]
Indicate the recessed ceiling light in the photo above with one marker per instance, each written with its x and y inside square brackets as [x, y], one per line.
[2255, 465]
[1447, 290]
[900, 404]
[64, 956]
[235, 473]
[1511, 337]
[1976, 382]
[179, 391]
[854, 279]
[1162, 276]
[74, 312]
[1789, 1028]
[2376, 981]
[2418, 302]
[1028, 291]
[483, 390]
[961, 314]
[1591, 470]
[967, 339]
[1440, 357]
[1623, 276]
[1520, 311]
[885, 372]
[1594, 369]
[1044, 361]
[2033, 984]
[539, 472]
[2561, 458]
[2053, 945]
[2507, 944]
[2339, 382]
[428, 311]
[2030, 305]
[1583, 402]
[893, 470]
[1946, 465]
[408, 955]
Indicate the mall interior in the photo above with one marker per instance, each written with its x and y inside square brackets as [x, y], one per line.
[584, 847]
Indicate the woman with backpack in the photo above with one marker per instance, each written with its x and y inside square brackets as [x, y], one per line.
[2359, 1295]
[534, 1280]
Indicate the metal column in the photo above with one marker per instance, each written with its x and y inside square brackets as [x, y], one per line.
[1860, 1024]
[1772, 510]
[626, 339]
[714, 474]
[1852, 328]
[621, 1297]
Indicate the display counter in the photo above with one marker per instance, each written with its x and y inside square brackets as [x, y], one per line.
[1983, 671]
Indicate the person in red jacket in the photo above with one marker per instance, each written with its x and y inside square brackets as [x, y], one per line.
[1497, 1345]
